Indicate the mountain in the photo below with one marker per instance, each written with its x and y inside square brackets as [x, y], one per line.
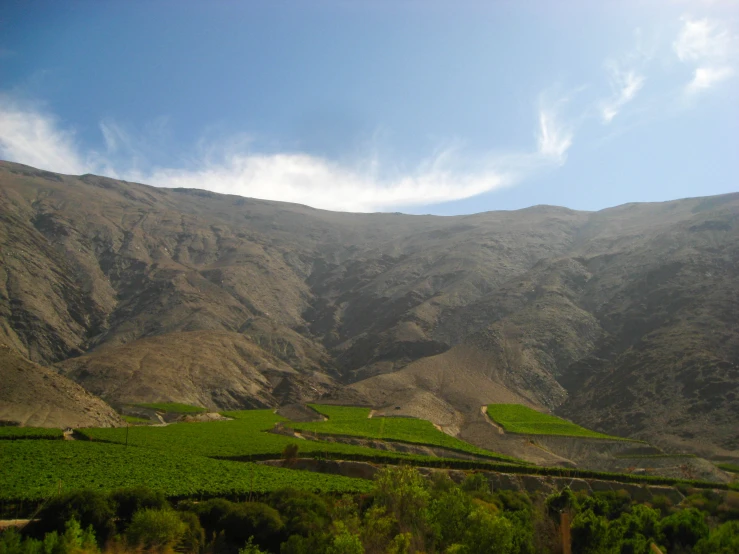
[36, 396]
[624, 320]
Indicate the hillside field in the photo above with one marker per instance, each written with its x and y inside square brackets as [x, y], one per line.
[515, 418]
[355, 422]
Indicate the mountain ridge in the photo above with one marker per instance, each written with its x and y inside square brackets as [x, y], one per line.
[551, 304]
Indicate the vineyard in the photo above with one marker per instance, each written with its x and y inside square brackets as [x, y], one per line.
[242, 438]
[10, 433]
[355, 422]
[36, 469]
[173, 407]
[515, 418]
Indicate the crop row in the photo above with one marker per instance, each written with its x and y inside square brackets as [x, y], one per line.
[354, 422]
[173, 407]
[35, 469]
[515, 418]
[242, 438]
[12, 432]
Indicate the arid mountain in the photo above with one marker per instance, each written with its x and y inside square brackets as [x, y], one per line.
[624, 320]
[36, 396]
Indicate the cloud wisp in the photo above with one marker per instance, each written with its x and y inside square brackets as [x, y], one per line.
[708, 46]
[29, 136]
[625, 85]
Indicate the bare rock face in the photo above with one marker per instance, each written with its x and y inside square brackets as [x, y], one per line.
[623, 320]
[35, 396]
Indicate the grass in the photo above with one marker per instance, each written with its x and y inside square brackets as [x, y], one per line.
[33, 470]
[173, 408]
[515, 418]
[134, 419]
[732, 468]
[11, 432]
[354, 422]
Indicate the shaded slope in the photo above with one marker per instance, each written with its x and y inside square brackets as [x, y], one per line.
[34, 396]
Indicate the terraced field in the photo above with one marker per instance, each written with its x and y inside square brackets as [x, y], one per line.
[244, 438]
[12, 432]
[355, 422]
[173, 408]
[33, 469]
[515, 418]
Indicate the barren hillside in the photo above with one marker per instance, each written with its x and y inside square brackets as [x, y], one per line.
[623, 320]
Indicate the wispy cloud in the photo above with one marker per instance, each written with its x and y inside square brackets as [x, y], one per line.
[709, 47]
[554, 137]
[29, 136]
[34, 138]
[625, 85]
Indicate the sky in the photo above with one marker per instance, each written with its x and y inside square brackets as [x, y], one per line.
[414, 106]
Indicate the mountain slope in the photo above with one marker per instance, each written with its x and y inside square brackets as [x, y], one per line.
[623, 320]
[35, 396]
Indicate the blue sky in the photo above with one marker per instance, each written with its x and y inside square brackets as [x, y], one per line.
[413, 106]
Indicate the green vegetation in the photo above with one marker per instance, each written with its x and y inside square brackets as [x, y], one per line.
[654, 456]
[134, 419]
[732, 468]
[403, 513]
[12, 432]
[33, 469]
[515, 418]
[355, 422]
[243, 438]
[173, 408]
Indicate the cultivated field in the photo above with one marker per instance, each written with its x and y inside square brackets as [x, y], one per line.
[173, 408]
[34, 469]
[9, 433]
[243, 438]
[355, 422]
[515, 418]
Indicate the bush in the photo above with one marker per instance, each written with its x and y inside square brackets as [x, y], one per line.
[683, 529]
[155, 529]
[722, 540]
[253, 520]
[88, 508]
[130, 501]
[303, 512]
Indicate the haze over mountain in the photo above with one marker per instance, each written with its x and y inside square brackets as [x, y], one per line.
[623, 320]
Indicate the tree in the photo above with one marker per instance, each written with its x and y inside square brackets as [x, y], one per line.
[155, 529]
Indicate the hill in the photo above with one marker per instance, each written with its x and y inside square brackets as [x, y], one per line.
[623, 320]
[35, 396]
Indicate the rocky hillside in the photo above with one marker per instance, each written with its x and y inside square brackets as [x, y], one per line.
[35, 396]
[623, 320]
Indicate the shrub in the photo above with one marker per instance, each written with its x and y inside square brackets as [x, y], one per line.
[88, 508]
[130, 501]
[683, 529]
[253, 519]
[155, 529]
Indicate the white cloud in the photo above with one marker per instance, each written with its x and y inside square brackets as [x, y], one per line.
[554, 137]
[706, 77]
[31, 137]
[625, 85]
[700, 39]
[34, 138]
[709, 46]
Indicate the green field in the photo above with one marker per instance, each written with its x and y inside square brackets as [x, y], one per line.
[243, 438]
[134, 419]
[515, 418]
[354, 422]
[173, 408]
[11, 432]
[732, 468]
[33, 469]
